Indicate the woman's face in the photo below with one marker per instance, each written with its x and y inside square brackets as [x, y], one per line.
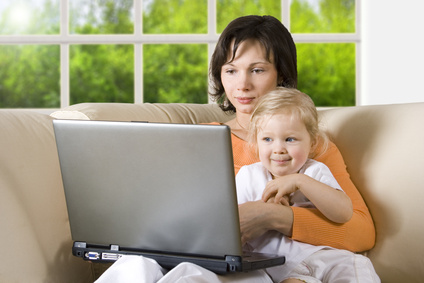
[249, 76]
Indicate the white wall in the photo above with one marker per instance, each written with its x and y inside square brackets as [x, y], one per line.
[392, 52]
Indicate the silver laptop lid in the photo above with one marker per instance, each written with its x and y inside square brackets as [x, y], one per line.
[151, 186]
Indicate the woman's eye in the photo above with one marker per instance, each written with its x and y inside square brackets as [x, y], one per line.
[256, 70]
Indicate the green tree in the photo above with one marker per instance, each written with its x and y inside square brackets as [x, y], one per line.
[228, 10]
[102, 73]
[326, 70]
[30, 74]
[175, 16]
[175, 72]
[327, 73]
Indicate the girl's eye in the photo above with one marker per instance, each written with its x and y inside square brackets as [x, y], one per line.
[267, 139]
[290, 139]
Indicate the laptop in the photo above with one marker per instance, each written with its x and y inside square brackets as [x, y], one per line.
[163, 191]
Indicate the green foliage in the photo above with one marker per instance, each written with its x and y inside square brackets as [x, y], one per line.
[328, 16]
[101, 17]
[231, 9]
[101, 73]
[175, 72]
[327, 73]
[175, 16]
[30, 74]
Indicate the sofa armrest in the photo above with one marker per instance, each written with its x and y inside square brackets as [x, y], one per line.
[35, 235]
[383, 148]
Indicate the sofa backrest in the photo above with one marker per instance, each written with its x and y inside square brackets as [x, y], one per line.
[151, 112]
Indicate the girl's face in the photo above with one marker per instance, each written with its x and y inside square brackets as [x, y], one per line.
[249, 76]
[283, 144]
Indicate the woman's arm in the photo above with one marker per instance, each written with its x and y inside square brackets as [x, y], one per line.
[258, 217]
[311, 226]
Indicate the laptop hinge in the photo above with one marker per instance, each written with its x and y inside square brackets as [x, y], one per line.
[234, 263]
[114, 248]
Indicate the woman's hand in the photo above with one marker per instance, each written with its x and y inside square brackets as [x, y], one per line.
[258, 217]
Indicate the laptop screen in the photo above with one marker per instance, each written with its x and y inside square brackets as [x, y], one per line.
[150, 186]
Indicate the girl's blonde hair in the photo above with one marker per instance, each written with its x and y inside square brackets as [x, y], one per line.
[289, 101]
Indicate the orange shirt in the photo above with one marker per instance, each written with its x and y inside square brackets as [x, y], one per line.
[309, 225]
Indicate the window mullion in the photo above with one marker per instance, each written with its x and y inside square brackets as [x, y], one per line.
[138, 52]
[212, 33]
[326, 37]
[358, 60]
[64, 55]
[285, 13]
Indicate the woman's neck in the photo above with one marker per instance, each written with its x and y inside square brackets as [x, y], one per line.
[239, 126]
[243, 121]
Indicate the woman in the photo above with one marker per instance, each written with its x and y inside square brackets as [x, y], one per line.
[254, 55]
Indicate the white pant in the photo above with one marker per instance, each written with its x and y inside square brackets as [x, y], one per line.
[335, 266]
[137, 269]
[327, 265]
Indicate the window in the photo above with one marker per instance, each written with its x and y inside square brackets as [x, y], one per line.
[54, 53]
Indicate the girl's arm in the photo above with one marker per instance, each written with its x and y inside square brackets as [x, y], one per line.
[332, 203]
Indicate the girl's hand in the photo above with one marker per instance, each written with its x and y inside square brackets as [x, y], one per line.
[285, 200]
[279, 189]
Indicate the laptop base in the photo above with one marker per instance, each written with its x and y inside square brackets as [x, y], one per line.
[224, 265]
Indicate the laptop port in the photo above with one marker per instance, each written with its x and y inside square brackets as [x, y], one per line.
[111, 256]
[92, 255]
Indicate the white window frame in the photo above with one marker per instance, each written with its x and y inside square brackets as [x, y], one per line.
[64, 39]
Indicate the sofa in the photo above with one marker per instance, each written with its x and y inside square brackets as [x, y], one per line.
[383, 146]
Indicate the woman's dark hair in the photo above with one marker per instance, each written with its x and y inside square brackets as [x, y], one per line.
[272, 34]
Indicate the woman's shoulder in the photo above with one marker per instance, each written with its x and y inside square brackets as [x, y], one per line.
[213, 123]
[329, 153]
[333, 159]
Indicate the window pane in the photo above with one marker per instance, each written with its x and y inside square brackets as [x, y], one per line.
[327, 73]
[29, 76]
[101, 17]
[322, 16]
[29, 17]
[175, 16]
[175, 73]
[228, 10]
[101, 73]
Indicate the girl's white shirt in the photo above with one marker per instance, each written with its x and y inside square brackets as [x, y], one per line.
[251, 181]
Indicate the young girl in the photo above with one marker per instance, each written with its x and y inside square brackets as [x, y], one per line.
[284, 131]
